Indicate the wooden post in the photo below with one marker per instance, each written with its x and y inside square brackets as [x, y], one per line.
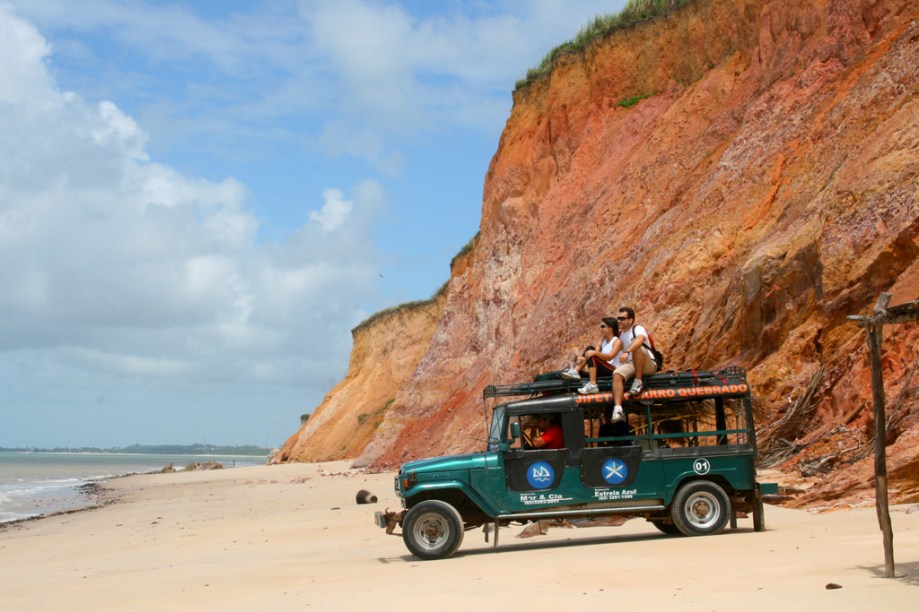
[874, 326]
[875, 336]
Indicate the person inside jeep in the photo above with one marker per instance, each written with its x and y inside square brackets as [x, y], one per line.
[551, 436]
[610, 428]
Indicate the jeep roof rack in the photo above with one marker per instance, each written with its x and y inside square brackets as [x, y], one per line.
[733, 375]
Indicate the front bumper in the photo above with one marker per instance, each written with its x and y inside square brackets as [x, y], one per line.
[388, 520]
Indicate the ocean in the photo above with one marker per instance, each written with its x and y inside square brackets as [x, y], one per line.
[36, 484]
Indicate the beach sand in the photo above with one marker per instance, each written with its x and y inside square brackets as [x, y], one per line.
[292, 537]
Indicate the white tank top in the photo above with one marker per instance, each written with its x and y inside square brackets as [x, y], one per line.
[605, 347]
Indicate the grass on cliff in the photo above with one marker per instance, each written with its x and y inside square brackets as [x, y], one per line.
[396, 309]
[465, 250]
[634, 11]
[630, 102]
[376, 417]
[409, 305]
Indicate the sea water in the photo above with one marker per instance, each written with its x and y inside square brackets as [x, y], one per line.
[40, 483]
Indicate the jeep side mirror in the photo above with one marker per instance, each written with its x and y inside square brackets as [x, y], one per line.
[515, 430]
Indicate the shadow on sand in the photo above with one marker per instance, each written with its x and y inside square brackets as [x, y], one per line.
[907, 573]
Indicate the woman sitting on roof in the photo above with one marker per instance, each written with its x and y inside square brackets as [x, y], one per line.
[599, 363]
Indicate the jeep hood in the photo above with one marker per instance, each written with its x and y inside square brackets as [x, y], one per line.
[450, 462]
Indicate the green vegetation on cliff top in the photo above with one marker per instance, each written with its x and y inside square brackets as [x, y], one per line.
[400, 308]
[634, 11]
[467, 248]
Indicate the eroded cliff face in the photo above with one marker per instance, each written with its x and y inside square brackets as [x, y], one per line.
[386, 352]
[764, 189]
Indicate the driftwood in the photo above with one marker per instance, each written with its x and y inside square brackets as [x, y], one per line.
[818, 465]
[773, 440]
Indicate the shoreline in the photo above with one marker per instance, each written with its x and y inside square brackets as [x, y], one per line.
[88, 490]
[293, 535]
[33, 485]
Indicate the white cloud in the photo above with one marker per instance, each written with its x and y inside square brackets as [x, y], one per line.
[23, 78]
[401, 77]
[118, 127]
[128, 365]
[120, 268]
[334, 211]
[124, 267]
[338, 139]
[380, 75]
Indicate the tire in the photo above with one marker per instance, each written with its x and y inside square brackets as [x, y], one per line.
[668, 528]
[432, 530]
[700, 507]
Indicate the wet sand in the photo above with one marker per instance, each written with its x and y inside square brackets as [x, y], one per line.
[293, 537]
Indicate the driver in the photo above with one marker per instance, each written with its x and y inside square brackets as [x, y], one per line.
[551, 437]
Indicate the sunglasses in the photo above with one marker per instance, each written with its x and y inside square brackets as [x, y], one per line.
[602, 326]
[623, 318]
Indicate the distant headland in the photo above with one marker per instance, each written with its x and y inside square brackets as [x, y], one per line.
[153, 449]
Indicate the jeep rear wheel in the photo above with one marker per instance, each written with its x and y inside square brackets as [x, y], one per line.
[700, 507]
[432, 529]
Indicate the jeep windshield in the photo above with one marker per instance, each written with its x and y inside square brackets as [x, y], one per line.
[496, 433]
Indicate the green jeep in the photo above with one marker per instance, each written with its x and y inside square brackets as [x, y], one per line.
[682, 458]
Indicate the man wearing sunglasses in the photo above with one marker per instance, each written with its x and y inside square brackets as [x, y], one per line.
[640, 361]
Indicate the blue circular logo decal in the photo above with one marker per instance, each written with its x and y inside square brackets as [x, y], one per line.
[615, 471]
[540, 475]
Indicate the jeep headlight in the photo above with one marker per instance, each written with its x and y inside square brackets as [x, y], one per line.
[405, 480]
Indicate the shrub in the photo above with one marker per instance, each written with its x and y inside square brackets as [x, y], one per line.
[630, 102]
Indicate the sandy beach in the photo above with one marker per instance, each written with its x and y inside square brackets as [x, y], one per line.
[292, 537]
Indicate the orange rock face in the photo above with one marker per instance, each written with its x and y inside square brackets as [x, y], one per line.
[763, 189]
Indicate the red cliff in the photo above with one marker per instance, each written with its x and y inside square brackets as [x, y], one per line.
[762, 189]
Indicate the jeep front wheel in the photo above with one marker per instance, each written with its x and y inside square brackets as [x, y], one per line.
[701, 507]
[432, 529]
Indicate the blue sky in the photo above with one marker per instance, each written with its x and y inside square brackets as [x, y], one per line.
[199, 200]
